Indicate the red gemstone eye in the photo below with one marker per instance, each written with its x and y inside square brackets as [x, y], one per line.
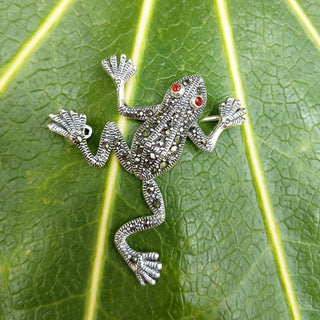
[177, 90]
[198, 101]
[176, 87]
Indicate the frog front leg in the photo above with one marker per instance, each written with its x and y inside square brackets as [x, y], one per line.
[121, 73]
[231, 114]
[73, 126]
[144, 265]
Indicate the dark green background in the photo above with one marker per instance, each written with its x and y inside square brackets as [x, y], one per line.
[215, 245]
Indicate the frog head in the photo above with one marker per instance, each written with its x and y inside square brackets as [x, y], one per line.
[189, 95]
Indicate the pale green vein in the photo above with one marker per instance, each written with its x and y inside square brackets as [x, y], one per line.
[33, 41]
[246, 276]
[100, 248]
[303, 243]
[256, 167]
[305, 21]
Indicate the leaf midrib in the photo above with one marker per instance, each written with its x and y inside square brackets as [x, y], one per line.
[306, 23]
[256, 167]
[30, 45]
[113, 169]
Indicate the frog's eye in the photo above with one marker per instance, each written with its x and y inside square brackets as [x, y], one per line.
[196, 102]
[177, 90]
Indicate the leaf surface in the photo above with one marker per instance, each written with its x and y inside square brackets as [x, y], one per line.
[227, 254]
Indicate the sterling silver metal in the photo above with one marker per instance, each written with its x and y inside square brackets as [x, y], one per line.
[156, 146]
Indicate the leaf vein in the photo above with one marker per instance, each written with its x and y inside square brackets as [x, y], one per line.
[113, 170]
[302, 17]
[255, 165]
[250, 271]
[32, 42]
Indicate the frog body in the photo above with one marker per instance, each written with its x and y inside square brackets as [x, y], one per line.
[158, 143]
[156, 147]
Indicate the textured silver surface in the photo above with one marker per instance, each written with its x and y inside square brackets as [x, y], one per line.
[156, 146]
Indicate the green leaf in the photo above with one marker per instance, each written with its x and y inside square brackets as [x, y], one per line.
[241, 236]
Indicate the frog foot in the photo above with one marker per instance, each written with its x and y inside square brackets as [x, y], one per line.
[231, 113]
[70, 125]
[122, 72]
[146, 267]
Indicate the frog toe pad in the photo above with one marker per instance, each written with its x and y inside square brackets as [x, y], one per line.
[119, 72]
[70, 125]
[232, 114]
[147, 268]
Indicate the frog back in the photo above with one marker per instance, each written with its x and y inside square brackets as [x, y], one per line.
[158, 143]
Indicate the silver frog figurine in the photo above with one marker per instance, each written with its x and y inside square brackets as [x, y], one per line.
[156, 146]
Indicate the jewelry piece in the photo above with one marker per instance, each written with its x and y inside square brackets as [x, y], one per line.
[156, 146]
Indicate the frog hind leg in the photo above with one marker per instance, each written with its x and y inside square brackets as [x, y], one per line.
[144, 264]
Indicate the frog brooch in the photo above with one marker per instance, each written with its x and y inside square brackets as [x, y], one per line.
[156, 146]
